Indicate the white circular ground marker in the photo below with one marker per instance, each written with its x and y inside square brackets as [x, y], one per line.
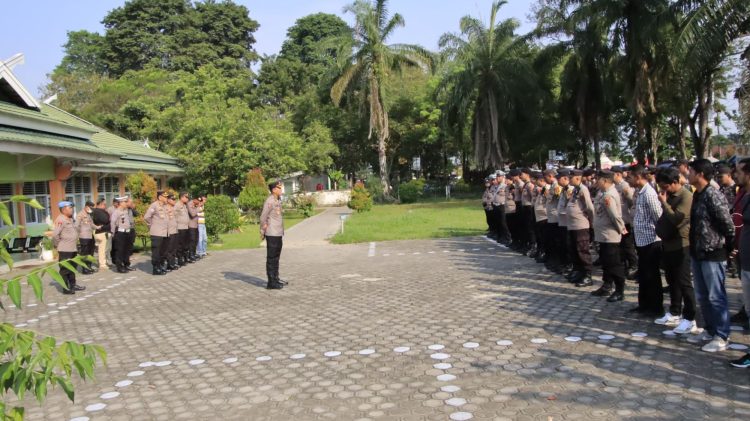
[21, 325]
[110, 395]
[297, 356]
[163, 363]
[639, 334]
[505, 342]
[442, 366]
[401, 349]
[471, 345]
[96, 407]
[440, 356]
[367, 352]
[738, 347]
[450, 389]
[573, 338]
[446, 377]
[332, 353]
[62, 307]
[124, 383]
[606, 337]
[147, 364]
[538, 341]
[196, 362]
[461, 416]
[668, 333]
[230, 360]
[80, 419]
[135, 373]
[456, 401]
[436, 347]
[263, 358]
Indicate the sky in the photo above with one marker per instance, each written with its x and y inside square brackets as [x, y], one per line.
[38, 28]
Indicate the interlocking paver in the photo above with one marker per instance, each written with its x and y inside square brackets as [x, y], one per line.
[504, 323]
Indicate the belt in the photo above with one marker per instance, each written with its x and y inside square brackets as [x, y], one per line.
[123, 230]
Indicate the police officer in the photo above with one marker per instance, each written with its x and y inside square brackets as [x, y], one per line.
[85, 226]
[489, 191]
[608, 229]
[627, 244]
[515, 221]
[172, 235]
[580, 212]
[193, 210]
[551, 240]
[65, 238]
[563, 181]
[158, 226]
[272, 229]
[183, 235]
[121, 228]
[540, 216]
[527, 212]
[498, 208]
[132, 213]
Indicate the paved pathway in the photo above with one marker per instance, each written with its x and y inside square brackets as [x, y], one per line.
[418, 330]
[316, 230]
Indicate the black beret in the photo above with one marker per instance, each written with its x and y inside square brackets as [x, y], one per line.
[617, 169]
[606, 174]
[536, 174]
[588, 171]
[723, 169]
[514, 172]
[526, 171]
[563, 172]
[576, 172]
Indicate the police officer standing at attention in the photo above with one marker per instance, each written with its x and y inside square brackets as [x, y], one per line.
[527, 213]
[580, 212]
[608, 230]
[489, 191]
[85, 226]
[157, 219]
[65, 238]
[172, 235]
[132, 213]
[563, 184]
[121, 228]
[498, 209]
[183, 235]
[272, 229]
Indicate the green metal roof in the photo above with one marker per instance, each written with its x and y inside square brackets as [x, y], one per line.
[31, 137]
[42, 115]
[127, 165]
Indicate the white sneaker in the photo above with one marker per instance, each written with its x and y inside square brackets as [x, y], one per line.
[668, 320]
[703, 336]
[717, 344]
[686, 327]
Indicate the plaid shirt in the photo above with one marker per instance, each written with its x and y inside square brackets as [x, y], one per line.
[647, 212]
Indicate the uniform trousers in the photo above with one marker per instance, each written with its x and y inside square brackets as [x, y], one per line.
[650, 292]
[501, 223]
[193, 246]
[68, 275]
[539, 234]
[121, 246]
[183, 242]
[627, 245]
[512, 220]
[529, 235]
[87, 249]
[613, 267]
[171, 248]
[563, 253]
[551, 247]
[489, 217]
[132, 244]
[578, 243]
[158, 250]
[681, 292]
[273, 255]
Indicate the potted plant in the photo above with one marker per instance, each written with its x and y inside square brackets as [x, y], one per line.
[46, 249]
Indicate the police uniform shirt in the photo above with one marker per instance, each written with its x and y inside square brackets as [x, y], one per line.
[192, 214]
[271, 217]
[540, 203]
[65, 234]
[500, 196]
[527, 194]
[551, 199]
[579, 208]
[562, 206]
[171, 220]
[487, 197]
[181, 212]
[626, 200]
[120, 221]
[85, 226]
[518, 190]
[157, 219]
[608, 222]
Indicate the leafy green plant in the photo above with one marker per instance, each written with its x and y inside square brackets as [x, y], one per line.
[337, 177]
[411, 191]
[46, 244]
[31, 363]
[361, 200]
[222, 215]
[142, 187]
[304, 204]
[254, 194]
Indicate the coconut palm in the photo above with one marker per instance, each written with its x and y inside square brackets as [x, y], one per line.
[371, 63]
[492, 75]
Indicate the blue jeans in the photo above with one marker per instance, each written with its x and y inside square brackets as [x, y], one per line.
[202, 240]
[708, 278]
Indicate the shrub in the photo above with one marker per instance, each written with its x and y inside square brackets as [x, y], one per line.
[375, 188]
[304, 204]
[361, 200]
[411, 191]
[222, 215]
[254, 194]
[142, 188]
[338, 178]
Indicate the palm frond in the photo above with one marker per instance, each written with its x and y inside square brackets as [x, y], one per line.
[397, 21]
[350, 74]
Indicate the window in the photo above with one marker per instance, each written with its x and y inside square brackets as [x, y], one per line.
[109, 188]
[6, 191]
[78, 191]
[38, 190]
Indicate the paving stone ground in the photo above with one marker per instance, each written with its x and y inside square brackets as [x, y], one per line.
[480, 334]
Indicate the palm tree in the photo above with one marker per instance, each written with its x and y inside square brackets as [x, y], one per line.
[491, 77]
[370, 65]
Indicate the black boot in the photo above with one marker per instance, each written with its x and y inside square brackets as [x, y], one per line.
[616, 296]
[584, 281]
[601, 292]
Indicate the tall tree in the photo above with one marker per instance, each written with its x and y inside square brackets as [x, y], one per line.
[371, 63]
[492, 79]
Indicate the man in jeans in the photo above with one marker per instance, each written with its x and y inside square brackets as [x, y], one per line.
[202, 235]
[647, 243]
[743, 179]
[710, 227]
[674, 228]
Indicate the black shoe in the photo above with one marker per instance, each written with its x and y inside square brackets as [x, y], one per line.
[87, 271]
[740, 317]
[585, 282]
[743, 362]
[172, 267]
[616, 296]
[570, 275]
[601, 292]
[632, 275]
[158, 272]
[79, 288]
[121, 270]
[130, 268]
[282, 282]
[597, 262]
[636, 310]
[68, 292]
[274, 286]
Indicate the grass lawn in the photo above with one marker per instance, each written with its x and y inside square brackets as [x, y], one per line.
[454, 218]
[249, 235]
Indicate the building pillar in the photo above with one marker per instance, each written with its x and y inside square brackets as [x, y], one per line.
[57, 187]
[121, 183]
[20, 210]
[94, 187]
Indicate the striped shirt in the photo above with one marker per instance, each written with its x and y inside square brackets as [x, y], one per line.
[201, 216]
[647, 211]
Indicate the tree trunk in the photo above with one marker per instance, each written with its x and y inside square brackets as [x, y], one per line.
[597, 154]
[383, 166]
[683, 134]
